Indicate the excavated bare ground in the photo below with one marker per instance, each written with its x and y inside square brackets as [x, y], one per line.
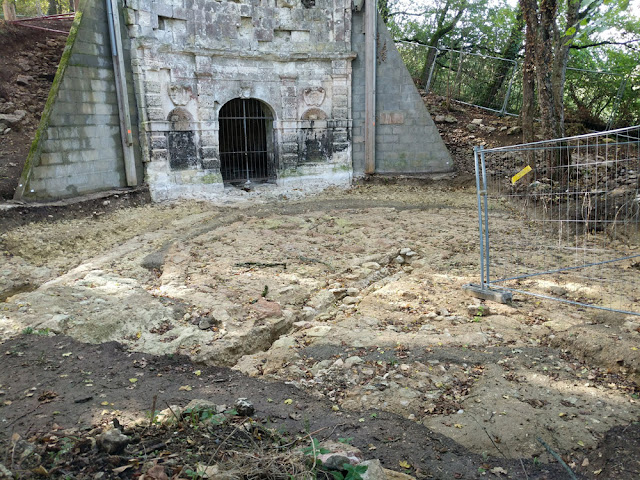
[349, 302]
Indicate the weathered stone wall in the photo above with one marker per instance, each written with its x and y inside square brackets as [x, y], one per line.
[407, 140]
[193, 56]
[78, 147]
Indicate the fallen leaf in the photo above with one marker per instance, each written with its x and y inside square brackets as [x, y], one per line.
[498, 471]
[197, 373]
[288, 401]
[133, 380]
[40, 470]
[68, 354]
[458, 425]
[186, 388]
[597, 472]
[581, 443]
[404, 464]
[104, 404]
[156, 473]
[585, 462]
[121, 469]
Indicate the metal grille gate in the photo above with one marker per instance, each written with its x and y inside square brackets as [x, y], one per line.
[564, 220]
[246, 142]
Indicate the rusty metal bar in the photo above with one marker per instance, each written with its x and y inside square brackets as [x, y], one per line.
[43, 28]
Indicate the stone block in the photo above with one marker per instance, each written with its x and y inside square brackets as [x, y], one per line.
[159, 155]
[263, 35]
[158, 142]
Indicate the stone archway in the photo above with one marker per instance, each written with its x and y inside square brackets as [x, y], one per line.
[246, 140]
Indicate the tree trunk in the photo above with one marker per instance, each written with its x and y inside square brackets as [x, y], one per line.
[428, 64]
[510, 52]
[442, 28]
[53, 8]
[530, 12]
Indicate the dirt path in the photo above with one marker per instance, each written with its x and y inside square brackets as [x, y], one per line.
[353, 300]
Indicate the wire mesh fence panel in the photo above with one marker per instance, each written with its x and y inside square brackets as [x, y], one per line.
[597, 99]
[472, 78]
[561, 219]
[591, 96]
[626, 110]
[40, 8]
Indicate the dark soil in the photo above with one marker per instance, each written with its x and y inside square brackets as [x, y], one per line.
[32, 53]
[57, 395]
[88, 206]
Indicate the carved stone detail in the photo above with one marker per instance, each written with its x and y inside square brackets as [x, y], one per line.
[314, 97]
[180, 94]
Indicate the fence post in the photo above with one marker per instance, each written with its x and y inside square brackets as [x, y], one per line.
[433, 66]
[485, 194]
[508, 94]
[480, 229]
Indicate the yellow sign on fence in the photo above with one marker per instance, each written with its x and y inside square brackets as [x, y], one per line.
[520, 174]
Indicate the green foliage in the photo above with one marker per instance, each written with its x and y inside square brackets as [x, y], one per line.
[197, 416]
[31, 331]
[314, 449]
[354, 472]
[605, 39]
[32, 8]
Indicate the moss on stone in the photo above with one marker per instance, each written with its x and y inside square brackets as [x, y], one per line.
[36, 146]
[211, 178]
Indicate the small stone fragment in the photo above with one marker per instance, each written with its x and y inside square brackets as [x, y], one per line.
[204, 324]
[353, 361]
[112, 441]
[244, 407]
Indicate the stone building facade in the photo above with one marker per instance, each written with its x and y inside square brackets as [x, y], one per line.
[224, 92]
[246, 90]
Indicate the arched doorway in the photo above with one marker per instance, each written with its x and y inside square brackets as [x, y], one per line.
[246, 142]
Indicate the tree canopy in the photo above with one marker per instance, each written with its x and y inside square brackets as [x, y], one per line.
[560, 45]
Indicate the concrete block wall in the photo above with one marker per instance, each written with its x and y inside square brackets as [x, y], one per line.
[407, 140]
[78, 146]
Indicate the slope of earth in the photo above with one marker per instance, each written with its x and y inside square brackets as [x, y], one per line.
[28, 65]
[350, 301]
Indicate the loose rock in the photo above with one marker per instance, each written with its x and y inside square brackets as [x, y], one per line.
[244, 407]
[112, 441]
